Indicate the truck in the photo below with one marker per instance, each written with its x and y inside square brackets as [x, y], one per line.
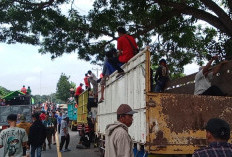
[167, 124]
[87, 113]
[17, 103]
[72, 114]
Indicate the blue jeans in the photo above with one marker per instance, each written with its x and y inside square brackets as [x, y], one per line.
[38, 150]
[159, 87]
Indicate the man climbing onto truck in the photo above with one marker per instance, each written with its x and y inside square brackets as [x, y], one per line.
[93, 80]
[204, 77]
[79, 90]
[108, 69]
[86, 81]
[118, 141]
[217, 135]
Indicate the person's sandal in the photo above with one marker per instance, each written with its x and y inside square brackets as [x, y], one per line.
[101, 100]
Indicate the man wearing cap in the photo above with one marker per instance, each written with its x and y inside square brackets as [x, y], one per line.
[65, 138]
[204, 77]
[217, 135]
[118, 141]
[24, 125]
[13, 139]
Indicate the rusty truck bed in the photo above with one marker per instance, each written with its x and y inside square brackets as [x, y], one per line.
[175, 122]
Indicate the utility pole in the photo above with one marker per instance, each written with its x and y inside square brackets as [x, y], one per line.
[97, 69]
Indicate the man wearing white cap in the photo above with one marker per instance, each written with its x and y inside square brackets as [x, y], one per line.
[118, 141]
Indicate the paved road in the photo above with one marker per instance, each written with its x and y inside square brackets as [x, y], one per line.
[74, 139]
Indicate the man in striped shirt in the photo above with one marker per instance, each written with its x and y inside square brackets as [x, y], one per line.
[217, 135]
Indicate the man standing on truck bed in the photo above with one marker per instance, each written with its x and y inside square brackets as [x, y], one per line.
[217, 135]
[118, 142]
[13, 139]
[161, 76]
[24, 89]
[204, 77]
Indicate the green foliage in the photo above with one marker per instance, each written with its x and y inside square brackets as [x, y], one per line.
[4, 91]
[47, 98]
[62, 88]
[171, 28]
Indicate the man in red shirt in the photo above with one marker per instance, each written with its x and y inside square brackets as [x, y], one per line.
[125, 45]
[86, 81]
[24, 90]
[79, 90]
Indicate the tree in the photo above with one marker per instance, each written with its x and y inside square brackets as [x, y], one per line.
[47, 98]
[173, 23]
[62, 88]
[4, 91]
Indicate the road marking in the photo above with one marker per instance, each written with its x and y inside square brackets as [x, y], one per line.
[58, 146]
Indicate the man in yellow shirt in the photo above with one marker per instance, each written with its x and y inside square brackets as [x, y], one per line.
[24, 125]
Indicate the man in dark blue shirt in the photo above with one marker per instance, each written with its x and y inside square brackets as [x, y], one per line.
[217, 135]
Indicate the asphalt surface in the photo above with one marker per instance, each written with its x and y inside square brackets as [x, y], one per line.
[74, 139]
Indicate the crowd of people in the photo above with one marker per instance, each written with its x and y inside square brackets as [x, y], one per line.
[22, 136]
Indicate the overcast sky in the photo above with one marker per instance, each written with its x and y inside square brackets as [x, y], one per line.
[21, 64]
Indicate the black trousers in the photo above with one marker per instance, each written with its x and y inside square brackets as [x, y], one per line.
[213, 91]
[59, 128]
[66, 140]
[114, 62]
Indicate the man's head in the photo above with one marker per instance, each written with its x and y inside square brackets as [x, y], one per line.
[162, 62]
[53, 114]
[89, 72]
[12, 118]
[121, 31]
[217, 130]
[81, 84]
[35, 116]
[23, 85]
[86, 74]
[125, 114]
[22, 118]
[64, 117]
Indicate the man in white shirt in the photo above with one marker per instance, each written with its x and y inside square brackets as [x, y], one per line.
[65, 138]
[93, 80]
[13, 139]
[204, 77]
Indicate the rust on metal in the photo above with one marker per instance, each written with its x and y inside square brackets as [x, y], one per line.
[175, 122]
